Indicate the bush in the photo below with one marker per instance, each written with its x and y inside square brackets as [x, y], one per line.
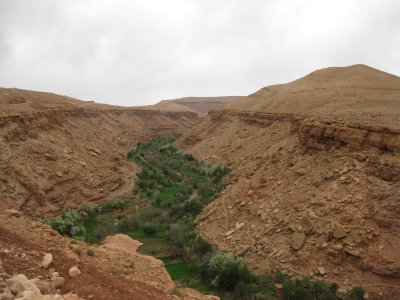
[90, 252]
[150, 230]
[201, 246]
[92, 209]
[356, 293]
[69, 224]
[115, 204]
[227, 271]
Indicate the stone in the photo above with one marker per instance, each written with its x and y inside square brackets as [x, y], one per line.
[59, 282]
[50, 157]
[71, 296]
[278, 286]
[297, 240]
[47, 260]
[45, 287]
[341, 293]
[353, 252]
[240, 225]
[32, 295]
[308, 226]
[54, 275]
[7, 294]
[339, 233]
[74, 272]
[229, 232]
[14, 213]
[20, 283]
[321, 270]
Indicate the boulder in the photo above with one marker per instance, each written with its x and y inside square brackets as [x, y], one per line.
[297, 240]
[74, 272]
[20, 283]
[45, 287]
[59, 282]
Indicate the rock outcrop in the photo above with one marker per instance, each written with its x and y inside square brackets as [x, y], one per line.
[315, 170]
[60, 153]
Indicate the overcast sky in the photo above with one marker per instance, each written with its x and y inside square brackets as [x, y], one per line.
[134, 52]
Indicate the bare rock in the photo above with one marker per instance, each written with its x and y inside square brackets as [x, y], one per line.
[59, 282]
[297, 240]
[71, 296]
[47, 260]
[7, 294]
[49, 156]
[353, 252]
[74, 272]
[387, 269]
[339, 233]
[308, 226]
[321, 270]
[14, 213]
[240, 225]
[45, 287]
[20, 283]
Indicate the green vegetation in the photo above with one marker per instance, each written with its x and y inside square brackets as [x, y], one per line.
[171, 190]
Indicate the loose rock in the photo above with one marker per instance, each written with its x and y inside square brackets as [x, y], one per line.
[74, 272]
[47, 260]
[297, 240]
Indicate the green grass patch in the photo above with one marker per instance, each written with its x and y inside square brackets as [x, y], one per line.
[179, 271]
[169, 192]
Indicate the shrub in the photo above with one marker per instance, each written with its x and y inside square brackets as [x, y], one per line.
[227, 270]
[115, 204]
[150, 230]
[201, 246]
[356, 293]
[90, 252]
[92, 209]
[69, 224]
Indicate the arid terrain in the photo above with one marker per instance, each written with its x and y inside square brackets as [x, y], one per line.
[314, 184]
[60, 153]
[199, 105]
[313, 189]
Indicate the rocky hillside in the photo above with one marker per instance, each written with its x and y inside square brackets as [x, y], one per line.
[200, 105]
[37, 263]
[315, 181]
[58, 152]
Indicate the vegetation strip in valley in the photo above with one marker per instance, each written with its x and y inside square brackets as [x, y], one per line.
[171, 190]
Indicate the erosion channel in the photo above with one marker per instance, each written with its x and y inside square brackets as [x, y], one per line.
[170, 191]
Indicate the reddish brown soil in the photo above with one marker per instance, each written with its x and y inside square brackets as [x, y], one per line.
[315, 178]
[59, 153]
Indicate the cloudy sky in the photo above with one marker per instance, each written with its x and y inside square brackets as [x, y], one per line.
[134, 52]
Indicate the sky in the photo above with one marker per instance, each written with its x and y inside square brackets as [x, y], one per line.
[137, 52]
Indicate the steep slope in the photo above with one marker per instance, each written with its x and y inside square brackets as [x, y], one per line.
[113, 270]
[315, 180]
[59, 152]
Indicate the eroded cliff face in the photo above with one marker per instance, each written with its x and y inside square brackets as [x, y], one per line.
[305, 195]
[58, 157]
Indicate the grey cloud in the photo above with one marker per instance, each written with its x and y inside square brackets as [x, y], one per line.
[133, 52]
